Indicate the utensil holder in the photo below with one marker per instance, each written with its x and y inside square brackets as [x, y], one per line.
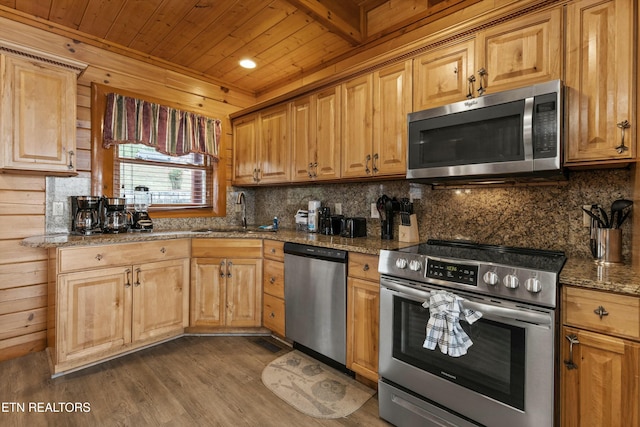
[609, 246]
[409, 233]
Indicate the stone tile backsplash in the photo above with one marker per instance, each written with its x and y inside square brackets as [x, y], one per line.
[545, 217]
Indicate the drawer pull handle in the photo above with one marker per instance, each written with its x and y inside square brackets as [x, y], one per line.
[229, 265]
[365, 267]
[600, 311]
[222, 273]
[163, 250]
[573, 339]
[99, 257]
[138, 271]
[272, 280]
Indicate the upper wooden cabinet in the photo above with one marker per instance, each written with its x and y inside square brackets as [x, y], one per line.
[315, 136]
[261, 147]
[374, 114]
[37, 116]
[440, 75]
[599, 82]
[517, 53]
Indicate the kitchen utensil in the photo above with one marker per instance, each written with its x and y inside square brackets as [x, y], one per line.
[616, 210]
[594, 216]
[605, 217]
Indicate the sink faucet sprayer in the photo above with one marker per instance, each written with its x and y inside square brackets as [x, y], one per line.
[242, 201]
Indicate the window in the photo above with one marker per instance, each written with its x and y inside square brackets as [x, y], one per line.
[174, 182]
[192, 185]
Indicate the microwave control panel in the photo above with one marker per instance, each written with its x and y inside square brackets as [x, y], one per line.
[545, 126]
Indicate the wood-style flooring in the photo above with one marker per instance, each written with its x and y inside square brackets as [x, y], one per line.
[191, 381]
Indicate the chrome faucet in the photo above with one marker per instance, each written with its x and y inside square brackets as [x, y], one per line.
[242, 201]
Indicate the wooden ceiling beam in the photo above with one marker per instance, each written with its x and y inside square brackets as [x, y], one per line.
[335, 15]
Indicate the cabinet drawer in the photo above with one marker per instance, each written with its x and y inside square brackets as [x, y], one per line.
[363, 266]
[226, 248]
[273, 314]
[274, 250]
[581, 307]
[90, 257]
[273, 279]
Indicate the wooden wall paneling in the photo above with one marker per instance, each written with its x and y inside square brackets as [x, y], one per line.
[24, 344]
[12, 252]
[24, 298]
[22, 323]
[23, 274]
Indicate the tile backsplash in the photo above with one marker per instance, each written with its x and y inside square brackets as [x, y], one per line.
[545, 217]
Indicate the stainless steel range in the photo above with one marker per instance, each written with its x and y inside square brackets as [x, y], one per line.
[507, 377]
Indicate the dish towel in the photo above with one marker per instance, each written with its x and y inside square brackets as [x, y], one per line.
[443, 327]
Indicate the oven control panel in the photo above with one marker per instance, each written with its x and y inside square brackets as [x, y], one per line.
[452, 272]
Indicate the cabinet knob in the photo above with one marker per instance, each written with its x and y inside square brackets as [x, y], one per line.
[273, 250]
[272, 315]
[601, 312]
[365, 267]
[99, 257]
[272, 280]
[163, 250]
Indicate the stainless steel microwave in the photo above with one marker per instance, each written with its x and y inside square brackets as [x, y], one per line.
[515, 134]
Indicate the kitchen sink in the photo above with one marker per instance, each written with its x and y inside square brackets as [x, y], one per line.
[233, 230]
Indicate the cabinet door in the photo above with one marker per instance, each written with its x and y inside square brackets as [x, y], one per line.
[244, 292]
[274, 148]
[363, 305]
[357, 127]
[160, 299]
[326, 123]
[208, 291]
[38, 110]
[245, 140]
[303, 149]
[599, 80]
[391, 104]
[440, 76]
[520, 52]
[93, 312]
[602, 389]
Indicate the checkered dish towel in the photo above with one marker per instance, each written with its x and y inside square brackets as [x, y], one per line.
[444, 327]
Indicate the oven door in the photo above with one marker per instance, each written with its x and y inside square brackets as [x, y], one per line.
[507, 376]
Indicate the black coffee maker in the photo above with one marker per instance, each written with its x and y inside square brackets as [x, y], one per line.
[86, 215]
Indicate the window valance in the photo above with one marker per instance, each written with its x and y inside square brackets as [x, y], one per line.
[168, 130]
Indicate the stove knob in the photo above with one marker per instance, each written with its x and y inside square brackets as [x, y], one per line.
[415, 265]
[401, 263]
[511, 281]
[533, 285]
[491, 278]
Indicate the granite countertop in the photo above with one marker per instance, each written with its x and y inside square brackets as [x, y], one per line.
[580, 272]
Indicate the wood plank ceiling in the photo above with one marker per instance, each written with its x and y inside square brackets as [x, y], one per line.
[206, 38]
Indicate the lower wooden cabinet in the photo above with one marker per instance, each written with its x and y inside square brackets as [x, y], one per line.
[226, 292]
[363, 314]
[600, 366]
[273, 310]
[97, 313]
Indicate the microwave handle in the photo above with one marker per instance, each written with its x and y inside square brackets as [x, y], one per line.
[527, 129]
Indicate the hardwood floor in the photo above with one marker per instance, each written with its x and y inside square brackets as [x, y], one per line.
[191, 381]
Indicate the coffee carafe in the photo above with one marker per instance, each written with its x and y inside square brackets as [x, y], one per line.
[85, 215]
[141, 201]
[116, 217]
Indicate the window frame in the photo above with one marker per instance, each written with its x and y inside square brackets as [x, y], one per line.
[102, 161]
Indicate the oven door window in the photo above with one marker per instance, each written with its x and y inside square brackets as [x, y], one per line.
[493, 365]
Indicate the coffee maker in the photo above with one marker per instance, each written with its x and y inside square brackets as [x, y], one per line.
[85, 215]
[116, 219]
[141, 201]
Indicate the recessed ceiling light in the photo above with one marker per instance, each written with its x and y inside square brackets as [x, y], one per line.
[247, 63]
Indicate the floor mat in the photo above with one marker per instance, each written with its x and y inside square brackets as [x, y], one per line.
[314, 388]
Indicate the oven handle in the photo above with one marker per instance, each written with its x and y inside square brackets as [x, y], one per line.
[505, 312]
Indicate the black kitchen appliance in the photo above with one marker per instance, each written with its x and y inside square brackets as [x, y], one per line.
[386, 207]
[141, 201]
[116, 219]
[354, 227]
[85, 215]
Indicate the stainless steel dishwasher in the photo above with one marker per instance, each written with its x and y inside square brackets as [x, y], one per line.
[315, 289]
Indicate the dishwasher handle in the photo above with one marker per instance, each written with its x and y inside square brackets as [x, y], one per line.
[316, 252]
